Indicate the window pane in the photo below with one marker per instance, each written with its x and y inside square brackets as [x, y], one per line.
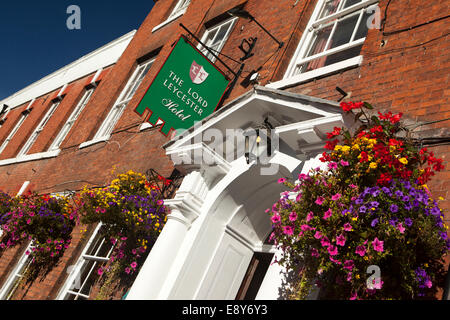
[350, 3]
[330, 7]
[222, 33]
[320, 41]
[363, 29]
[344, 31]
[331, 59]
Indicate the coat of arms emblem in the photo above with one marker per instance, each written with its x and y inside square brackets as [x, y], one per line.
[198, 73]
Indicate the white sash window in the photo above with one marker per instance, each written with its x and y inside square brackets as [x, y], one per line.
[127, 94]
[335, 33]
[71, 121]
[215, 38]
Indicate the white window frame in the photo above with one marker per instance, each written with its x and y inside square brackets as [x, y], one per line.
[13, 131]
[11, 285]
[82, 263]
[180, 8]
[108, 125]
[34, 136]
[177, 12]
[231, 21]
[71, 121]
[292, 76]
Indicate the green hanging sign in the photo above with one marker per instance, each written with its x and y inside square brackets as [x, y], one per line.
[187, 89]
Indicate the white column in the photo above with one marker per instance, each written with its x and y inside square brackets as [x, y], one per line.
[157, 265]
[185, 208]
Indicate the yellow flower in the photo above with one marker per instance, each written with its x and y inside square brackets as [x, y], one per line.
[404, 161]
[338, 148]
[356, 147]
[345, 149]
[357, 276]
[373, 165]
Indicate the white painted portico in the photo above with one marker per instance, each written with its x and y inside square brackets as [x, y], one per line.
[218, 220]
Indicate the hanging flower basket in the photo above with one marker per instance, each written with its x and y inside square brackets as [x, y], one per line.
[365, 226]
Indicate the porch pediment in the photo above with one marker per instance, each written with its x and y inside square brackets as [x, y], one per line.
[300, 121]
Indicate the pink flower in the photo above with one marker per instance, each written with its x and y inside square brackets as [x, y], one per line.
[378, 245]
[428, 283]
[288, 230]
[100, 271]
[303, 177]
[310, 216]
[332, 165]
[349, 276]
[276, 219]
[127, 270]
[298, 197]
[353, 186]
[282, 180]
[335, 261]
[349, 265]
[336, 197]
[361, 250]
[318, 235]
[340, 240]
[348, 227]
[293, 216]
[354, 296]
[344, 163]
[401, 228]
[332, 250]
[320, 200]
[328, 214]
[305, 227]
[325, 242]
[133, 265]
[314, 253]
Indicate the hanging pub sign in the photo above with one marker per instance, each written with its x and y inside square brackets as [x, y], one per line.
[187, 89]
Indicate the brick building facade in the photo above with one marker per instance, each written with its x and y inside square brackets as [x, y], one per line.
[400, 65]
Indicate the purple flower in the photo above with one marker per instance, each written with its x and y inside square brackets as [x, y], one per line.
[393, 208]
[363, 209]
[374, 222]
[408, 222]
[435, 211]
[374, 204]
[345, 212]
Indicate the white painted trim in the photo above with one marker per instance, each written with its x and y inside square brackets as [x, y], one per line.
[88, 64]
[23, 188]
[31, 157]
[307, 76]
[14, 274]
[169, 20]
[94, 141]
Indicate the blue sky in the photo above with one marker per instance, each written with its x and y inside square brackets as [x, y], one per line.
[35, 40]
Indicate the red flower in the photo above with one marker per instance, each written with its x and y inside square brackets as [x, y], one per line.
[384, 179]
[395, 119]
[330, 145]
[348, 106]
[335, 133]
